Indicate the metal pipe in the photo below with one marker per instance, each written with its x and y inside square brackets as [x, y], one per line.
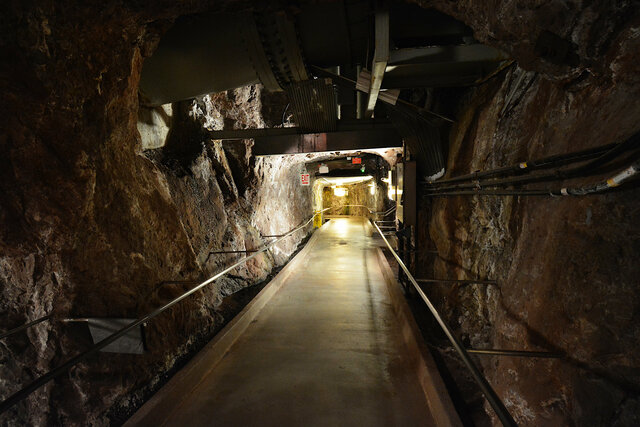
[25, 326]
[515, 353]
[480, 282]
[40, 381]
[609, 184]
[590, 168]
[543, 163]
[233, 252]
[75, 320]
[490, 394]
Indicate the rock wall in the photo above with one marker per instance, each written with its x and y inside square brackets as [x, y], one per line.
[92, 224]
[567, 267]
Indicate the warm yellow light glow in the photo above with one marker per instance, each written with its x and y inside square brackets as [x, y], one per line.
[346, 180]
[340, 191]
[372, 189]
[341, 226]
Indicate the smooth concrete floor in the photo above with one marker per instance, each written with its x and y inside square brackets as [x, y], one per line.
[325, 350]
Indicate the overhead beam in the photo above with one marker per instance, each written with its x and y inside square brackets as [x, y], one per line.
[341, 126]
[380, 59]
[328, 141]
[349, 135]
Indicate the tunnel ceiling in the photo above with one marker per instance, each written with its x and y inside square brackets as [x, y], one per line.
[339, 63]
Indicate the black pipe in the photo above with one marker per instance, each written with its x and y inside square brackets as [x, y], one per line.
[590, 168]
[604, 186]
[25, 326]
[528, 166]
[234, 252]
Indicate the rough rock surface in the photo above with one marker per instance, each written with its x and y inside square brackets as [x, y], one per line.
[91, 225]
[567, 267]
[358, 201]
[573, 40]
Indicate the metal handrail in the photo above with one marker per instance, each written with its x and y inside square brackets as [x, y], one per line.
[25, 326]
[371, 211]
[42, 380]
[353, 206]
[490, 394]
[514, 353]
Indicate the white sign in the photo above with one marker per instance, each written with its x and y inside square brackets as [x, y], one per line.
[304, 179]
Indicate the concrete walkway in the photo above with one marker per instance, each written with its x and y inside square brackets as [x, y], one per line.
[325, 350]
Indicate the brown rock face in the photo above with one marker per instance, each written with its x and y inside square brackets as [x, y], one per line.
[567, 267]
[91, 225]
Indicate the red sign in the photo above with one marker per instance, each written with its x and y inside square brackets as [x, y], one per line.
[304, 179]
[356, 160]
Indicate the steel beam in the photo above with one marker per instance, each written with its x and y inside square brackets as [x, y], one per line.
[355, 135]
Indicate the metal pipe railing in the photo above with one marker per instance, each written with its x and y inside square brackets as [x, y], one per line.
[42, 380]
[353, 206]
[476, 281]
[25, 326]
[490, 394]
[514, 353]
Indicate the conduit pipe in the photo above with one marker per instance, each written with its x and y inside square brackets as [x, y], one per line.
[25, 326]
[609, 184]
[590, 168]
[530, 165]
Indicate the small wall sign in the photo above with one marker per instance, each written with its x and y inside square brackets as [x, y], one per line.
[304, 179]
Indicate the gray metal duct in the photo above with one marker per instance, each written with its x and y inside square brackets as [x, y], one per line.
[209, 53]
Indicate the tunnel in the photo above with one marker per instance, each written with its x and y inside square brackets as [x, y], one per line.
[345, 212]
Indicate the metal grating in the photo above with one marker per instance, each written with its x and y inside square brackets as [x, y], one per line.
[313, 104]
